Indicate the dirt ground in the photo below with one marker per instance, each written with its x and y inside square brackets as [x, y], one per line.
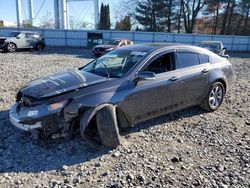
[189, 148]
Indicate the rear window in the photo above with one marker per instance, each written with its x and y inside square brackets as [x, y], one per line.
[203, 58]
[187, 59]
[129, 42]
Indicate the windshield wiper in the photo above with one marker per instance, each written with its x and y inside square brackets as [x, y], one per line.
[105, 66]
[106, 69]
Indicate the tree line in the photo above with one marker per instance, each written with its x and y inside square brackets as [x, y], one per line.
[225, 17]
[104, 23]
[191, 16]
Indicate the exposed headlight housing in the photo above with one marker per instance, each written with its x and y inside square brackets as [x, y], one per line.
[57, 106]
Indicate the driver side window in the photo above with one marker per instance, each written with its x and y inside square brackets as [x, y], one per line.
[162, 64]
[22, 36]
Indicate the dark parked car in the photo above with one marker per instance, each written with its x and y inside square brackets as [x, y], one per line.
[110, 45]
[214, 46]
[124, 87]
[22, 40]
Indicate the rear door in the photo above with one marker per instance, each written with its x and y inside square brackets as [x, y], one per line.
[31, 40]
[193, 81]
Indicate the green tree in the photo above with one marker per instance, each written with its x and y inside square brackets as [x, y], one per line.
[108, 22]
[190, 11]
[212, 9]
[104, 17]
[243, 9]
[124, 24]
[149, 13]
[168, 14]
[158, 15]
[227, 16]
[27, 24]
[47, 21]
[101, 17]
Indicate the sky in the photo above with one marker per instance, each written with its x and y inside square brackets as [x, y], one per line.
[82, 10]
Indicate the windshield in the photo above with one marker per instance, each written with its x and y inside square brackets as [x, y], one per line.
[11, 34]
[115, 64]
[112, 42]
[211, 46]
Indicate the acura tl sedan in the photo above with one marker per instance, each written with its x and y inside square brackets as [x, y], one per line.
[126, 86]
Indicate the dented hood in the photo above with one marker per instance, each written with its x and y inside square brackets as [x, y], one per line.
[61, 83]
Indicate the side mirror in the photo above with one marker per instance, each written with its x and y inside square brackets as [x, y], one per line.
[145, 75]
[224, 48]
[17, 37]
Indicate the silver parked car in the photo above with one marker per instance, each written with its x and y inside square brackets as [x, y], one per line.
[126, 86]
[22, 40]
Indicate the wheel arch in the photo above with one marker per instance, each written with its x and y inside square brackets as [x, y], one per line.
[218, 75]
[87, 115]
[39, 43]
[221, 80]
[7, 46]
[11, 42]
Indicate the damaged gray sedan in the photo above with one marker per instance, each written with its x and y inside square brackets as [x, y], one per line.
[121, 88]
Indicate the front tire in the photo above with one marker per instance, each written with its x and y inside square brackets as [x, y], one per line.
[214, 97]
[11, 47]
[108, 127]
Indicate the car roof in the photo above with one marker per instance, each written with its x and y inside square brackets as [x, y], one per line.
[119, 39]
[210, 41]
[30, 32]
[155, 46]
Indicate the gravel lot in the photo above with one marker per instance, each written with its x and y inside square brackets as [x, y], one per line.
[188, 148]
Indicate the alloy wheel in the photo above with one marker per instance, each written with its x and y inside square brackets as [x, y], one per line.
[11, 47]
[216, 96]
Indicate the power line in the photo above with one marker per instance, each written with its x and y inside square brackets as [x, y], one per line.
[23, 10]
[81, 12]
[88, 9]
[39, 9]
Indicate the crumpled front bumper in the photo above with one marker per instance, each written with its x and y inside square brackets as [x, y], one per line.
[2, 46]
[15, 120]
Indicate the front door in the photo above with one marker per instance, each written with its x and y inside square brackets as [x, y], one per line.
[21, 41]
[152, 98]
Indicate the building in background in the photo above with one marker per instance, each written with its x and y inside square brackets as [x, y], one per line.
[7, 24]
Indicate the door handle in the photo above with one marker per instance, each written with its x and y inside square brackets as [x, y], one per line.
[174, 78]
[205, 71]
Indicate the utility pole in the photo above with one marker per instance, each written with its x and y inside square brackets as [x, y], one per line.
[30, 11]
[18, 13]
[61, 12]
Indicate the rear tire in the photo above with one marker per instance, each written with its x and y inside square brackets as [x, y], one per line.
[39, 47]
[108, 127]
[11, 47]
[214, 97]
